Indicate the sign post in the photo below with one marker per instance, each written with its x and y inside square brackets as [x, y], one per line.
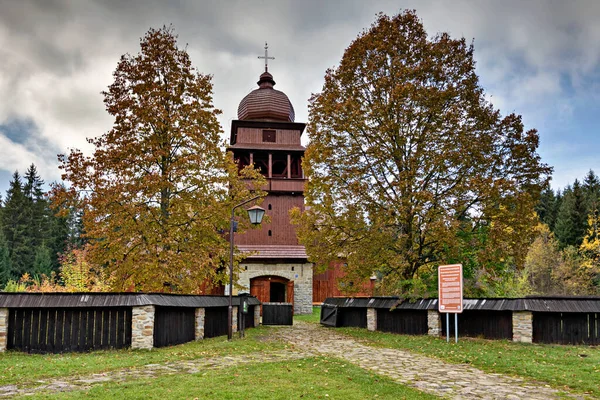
[450, 289]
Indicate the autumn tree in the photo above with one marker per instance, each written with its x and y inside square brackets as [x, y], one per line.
[157, 191]
[406, 152]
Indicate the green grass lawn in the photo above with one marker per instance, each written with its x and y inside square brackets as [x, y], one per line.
[574, 367]
[315, 317]
[309, 378]
[21, 368]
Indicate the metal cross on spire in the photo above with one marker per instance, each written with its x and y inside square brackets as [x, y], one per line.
[266, 57]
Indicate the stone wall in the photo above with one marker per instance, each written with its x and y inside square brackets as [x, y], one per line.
[522, 322]
[256, 315]
[3, 328]
[234, 319]
[142, 327]
[371, 319]
[199, 326]
[301, 274]
[434, 323]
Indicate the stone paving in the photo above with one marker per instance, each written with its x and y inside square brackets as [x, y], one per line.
[456, 381]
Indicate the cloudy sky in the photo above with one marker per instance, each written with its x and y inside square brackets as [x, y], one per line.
[540, 59]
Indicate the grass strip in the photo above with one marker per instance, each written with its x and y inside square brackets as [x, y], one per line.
[575, 368]
[22, 368]
[310, 378]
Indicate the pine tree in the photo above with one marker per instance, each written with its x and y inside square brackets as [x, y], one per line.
[42, 265]
[37, 213]
[547, 208]
[14, 224]
[5, 265]
[571, 222]
[591, 190]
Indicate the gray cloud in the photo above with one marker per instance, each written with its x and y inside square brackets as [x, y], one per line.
[537, 58]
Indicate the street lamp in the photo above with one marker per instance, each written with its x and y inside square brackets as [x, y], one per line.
[255, 213]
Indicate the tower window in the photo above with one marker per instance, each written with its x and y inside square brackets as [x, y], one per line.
[270, 233]
[268, 135]
[270, 208]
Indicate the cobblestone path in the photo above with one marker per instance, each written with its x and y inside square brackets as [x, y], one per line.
[457, 381]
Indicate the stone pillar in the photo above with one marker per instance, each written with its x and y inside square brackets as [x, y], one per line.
[256, 315]
[522, 330]
[3, 328]
[234, 319]
[142, 327]
[371, 319]
[434, 323]
[200, 313]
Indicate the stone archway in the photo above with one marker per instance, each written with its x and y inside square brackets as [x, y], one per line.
[271, 288]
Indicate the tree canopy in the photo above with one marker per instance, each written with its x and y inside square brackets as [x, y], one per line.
[157, 191]
[407, 157]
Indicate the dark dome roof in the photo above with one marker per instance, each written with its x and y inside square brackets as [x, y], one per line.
[266, 103]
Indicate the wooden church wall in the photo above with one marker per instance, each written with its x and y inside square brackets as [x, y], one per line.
[282, 231]
[327, 285]
[282, 136]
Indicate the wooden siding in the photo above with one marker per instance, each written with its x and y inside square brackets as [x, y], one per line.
[278, 314]
[174, 325]
[566, 328]
[282, 231]
[57, 330]
[215, 322]
[405, 322]
[326, 284]
[486, 324]
[255, 135]
[352, 317]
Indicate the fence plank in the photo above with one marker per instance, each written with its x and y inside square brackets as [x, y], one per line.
[43, 338]
[127, 327]
[105, 329]
[51, 335]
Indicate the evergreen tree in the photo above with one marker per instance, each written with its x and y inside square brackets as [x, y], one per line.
[571, 222]
[547, 208]
[37, 212]
[15, 227]
[5, 265]
[591, 189]
[43, 262]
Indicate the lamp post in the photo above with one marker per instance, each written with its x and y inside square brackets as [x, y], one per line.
[255, 213]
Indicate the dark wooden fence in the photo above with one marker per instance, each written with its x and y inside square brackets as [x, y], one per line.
[406, 322]
[55, 330]
[566, 328]
[561, 320]
[174, 325]
[215, 322]
[77, 322]
[483, 324]
[278, 314]
[352, 317]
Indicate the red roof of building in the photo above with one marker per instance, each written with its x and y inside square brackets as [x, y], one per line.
[273, 251]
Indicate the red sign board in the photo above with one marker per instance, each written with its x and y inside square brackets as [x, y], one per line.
[450, 288]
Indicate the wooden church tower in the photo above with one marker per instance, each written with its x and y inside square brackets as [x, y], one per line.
[266, 135]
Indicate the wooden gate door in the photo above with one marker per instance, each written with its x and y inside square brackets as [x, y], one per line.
[261, 289]
[290, 292]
